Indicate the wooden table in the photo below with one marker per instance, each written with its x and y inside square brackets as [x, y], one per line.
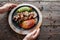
[50, 29]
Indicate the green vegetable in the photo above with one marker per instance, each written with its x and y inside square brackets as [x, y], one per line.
[22, 9]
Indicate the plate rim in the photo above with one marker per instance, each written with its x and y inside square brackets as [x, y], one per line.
[19, 31]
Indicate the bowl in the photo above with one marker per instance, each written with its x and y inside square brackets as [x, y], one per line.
[15, 26]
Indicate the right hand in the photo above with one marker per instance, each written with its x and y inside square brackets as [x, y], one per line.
[33, 35]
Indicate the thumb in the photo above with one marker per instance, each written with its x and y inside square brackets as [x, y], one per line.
[37, 33]
[12, 6]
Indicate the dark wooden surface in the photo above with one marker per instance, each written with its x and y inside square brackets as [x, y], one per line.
[50, 29]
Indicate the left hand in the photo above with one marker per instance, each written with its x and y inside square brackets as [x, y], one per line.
[9, 6]
[33, 35]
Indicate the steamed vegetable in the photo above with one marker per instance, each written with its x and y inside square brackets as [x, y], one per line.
[22, 9]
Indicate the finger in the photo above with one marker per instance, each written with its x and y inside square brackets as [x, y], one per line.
[37, 33]
[12, 6]
[30, 34]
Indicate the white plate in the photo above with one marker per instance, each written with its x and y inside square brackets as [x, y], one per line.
[19, 31]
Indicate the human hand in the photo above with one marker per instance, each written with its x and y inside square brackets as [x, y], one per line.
[9, 6]
[33, 35]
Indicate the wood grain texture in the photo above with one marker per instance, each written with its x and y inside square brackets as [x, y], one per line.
[33, 0]
[50, 29]
[50, 12]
